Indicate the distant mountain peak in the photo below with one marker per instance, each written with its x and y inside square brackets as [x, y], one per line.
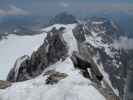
[63, 18]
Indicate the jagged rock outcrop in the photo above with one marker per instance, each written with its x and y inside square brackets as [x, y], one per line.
[103, 32]
[57, 46]
[52, 50]
[84, 64]
[54, 77]
[18, 69]
[3, 35]
[128, 93]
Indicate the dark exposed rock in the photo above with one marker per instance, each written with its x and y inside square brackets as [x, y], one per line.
[84, 58]
[114, 72]
[52, 50]
[129, 81]
[79, 61]
[78, 32]
[54, 77]
[106, 91]
[3, 36]
[4, 84]
[62, 29]
[117, 75]
[83, 64]
[86, 74]
[108, 32]
[18, 69]
[102, 27]
[57, 46]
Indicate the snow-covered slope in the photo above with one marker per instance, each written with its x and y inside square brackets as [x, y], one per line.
[73, 87]
[15, 46]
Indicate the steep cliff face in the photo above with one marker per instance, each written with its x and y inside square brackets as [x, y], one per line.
[85, 49]
[98, 35]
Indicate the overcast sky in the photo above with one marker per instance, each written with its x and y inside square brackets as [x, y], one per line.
[49, 7]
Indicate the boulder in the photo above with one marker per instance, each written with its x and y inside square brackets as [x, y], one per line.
[54, 77]
[4, 84]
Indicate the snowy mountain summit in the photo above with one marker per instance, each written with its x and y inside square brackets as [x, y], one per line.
[75, 62]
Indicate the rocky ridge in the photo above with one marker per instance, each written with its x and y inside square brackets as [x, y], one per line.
[89, 45]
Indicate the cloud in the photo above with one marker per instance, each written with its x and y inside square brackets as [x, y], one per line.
[13, 11]
[123, 43]
[64, 4]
